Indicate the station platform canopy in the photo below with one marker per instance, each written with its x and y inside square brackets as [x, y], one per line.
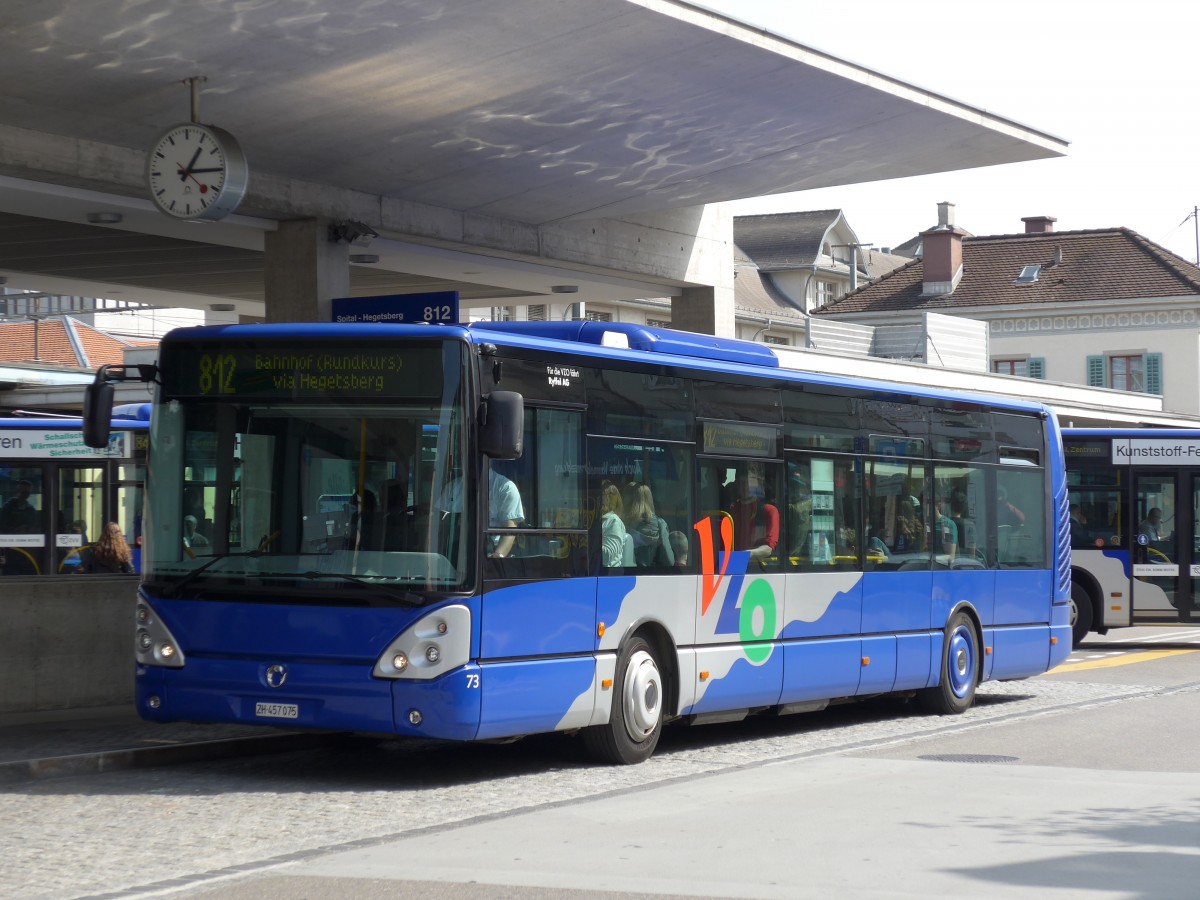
[504, 130]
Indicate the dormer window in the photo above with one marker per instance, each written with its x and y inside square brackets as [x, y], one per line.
[1029, 274]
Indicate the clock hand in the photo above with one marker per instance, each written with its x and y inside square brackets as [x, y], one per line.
[185, 172]
[213, 169]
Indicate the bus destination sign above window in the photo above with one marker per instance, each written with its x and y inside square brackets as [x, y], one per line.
[740, 439]
[363, 371]
[1156, 451]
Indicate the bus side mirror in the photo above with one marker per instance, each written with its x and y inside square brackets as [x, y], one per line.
[97, 412]
[502, 425]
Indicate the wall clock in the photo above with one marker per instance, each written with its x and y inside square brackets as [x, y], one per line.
[196, 172]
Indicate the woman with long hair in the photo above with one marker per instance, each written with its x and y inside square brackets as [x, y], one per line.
[110, 554]
[612, 528]
[649, 530]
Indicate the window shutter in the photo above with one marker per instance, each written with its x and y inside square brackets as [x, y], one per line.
[1095, 371]
[1037, 367]
[1153, 366]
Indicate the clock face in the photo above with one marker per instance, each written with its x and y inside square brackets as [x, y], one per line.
[196, 172]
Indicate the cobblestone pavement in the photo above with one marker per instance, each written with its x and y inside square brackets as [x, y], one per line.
[179, 828]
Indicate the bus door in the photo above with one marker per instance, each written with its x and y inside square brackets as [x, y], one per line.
[1163, 548]
[79, 516]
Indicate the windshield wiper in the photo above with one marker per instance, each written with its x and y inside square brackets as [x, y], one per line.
[174, 589]
[404, 598]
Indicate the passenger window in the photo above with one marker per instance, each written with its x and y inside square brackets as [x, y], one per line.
[747, 494]
[22, 525]
[641, 493]
[1020, 525]
[897, 516]
[822, 517]
[960, 527]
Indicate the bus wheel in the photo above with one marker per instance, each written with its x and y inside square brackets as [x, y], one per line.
[635, 721]
[955, 691]
[1081, 614]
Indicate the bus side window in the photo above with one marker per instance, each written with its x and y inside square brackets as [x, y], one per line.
[548, 477]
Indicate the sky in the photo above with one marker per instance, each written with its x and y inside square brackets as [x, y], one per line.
[1119, 81]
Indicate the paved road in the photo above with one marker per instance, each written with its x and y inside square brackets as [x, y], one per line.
[1081, 783]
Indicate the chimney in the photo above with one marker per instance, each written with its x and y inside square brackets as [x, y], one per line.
[1039, 224]
[942, 254]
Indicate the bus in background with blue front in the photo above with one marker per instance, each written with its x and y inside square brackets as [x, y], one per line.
[484, 532]
[1135, 527]
[57, 493]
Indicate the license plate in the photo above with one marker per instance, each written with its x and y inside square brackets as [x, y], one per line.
[277, 710]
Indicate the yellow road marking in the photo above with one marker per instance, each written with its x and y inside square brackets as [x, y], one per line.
[1123, 660]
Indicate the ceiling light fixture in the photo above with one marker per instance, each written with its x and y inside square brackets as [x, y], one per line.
[364, 258]
[564, 288]
[222, 307]
[105, 218]
[349, 231]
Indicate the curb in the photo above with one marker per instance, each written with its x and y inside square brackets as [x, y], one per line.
[29, 770]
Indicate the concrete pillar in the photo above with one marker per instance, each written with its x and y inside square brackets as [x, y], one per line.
[304, 271]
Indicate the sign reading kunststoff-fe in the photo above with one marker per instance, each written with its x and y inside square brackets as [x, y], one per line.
[1156, 451]
[36, 443]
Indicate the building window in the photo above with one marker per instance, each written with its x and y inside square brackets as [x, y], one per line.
[599, 316]
[658, 323]
[1126, 373]
[1025, 367]
[1136, 372]
[776, 339]
[536, 312]
[826, 292]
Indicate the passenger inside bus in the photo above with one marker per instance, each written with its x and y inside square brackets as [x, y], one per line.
[755, 519]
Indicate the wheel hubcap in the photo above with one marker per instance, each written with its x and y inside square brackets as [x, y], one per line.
[642, 696]
[962, 662]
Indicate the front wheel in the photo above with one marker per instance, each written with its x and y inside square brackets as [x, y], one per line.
[635, 722]
[955, 691]
[1081, 614]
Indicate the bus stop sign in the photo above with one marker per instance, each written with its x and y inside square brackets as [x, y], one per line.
[405, 309]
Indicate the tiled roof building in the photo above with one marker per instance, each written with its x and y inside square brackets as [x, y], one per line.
[61, 341]
[1099, 307]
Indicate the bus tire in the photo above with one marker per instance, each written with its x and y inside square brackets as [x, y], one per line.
[955, 691]
[1081, 614]
[636, 719]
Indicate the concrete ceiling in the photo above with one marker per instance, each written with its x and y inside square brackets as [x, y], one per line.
[525, 112]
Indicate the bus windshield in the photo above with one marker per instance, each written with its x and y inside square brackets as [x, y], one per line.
[321, 479]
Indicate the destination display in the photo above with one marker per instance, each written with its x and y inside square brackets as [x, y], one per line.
[740, 439]
[1153, 451]
[296, 371]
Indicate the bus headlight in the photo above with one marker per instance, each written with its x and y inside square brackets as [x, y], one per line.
[433, 645]
[153, 643]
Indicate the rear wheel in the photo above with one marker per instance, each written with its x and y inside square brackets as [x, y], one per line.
[635, 722]
[955, 691]
[1081, 614]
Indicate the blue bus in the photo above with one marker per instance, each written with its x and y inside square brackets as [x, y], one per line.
[489, 531]
[57, 493]
[1135, 527]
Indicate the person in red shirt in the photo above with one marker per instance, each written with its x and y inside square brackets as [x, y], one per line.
[755, 521]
